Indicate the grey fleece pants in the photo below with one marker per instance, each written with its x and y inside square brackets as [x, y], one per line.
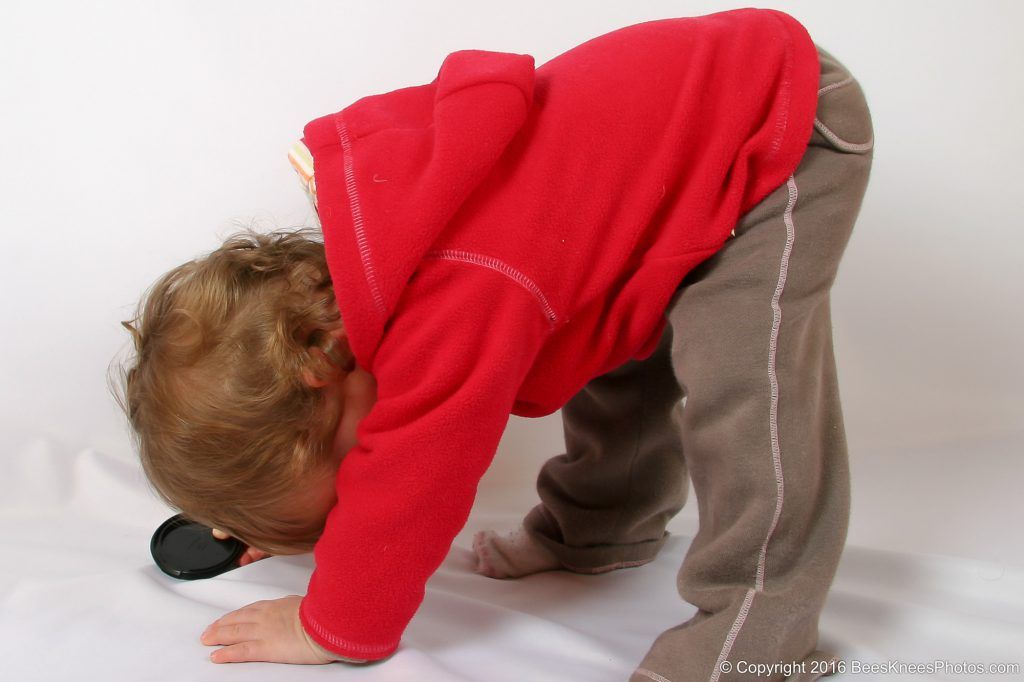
[748, 344]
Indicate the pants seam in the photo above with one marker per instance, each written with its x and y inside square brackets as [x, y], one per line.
[835, 86]
[653, 675]
[843, 145]
[773, 427]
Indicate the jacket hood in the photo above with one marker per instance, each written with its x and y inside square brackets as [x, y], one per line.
[393, 169]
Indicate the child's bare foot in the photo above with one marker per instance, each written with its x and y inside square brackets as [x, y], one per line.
[511, 554]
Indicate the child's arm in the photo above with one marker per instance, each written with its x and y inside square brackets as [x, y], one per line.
[448, 369]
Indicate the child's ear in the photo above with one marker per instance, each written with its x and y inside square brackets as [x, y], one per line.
[312, 380]
[337, 349]
[332, 346]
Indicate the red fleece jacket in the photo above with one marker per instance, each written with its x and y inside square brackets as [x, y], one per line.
[503, 234]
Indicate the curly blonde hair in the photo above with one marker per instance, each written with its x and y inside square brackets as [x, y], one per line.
[227, 429]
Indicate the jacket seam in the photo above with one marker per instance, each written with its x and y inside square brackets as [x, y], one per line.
[505, 269]
[355, 206]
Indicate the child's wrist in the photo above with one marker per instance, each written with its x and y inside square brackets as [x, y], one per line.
[330, 654]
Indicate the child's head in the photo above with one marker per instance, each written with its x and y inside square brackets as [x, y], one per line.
[237, 392]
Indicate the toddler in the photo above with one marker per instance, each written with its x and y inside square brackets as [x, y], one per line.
[653, 216]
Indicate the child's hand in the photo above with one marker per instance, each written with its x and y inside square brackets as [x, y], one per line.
[265, 631]
[251, 553]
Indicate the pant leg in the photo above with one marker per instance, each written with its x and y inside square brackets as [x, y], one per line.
[606, 500]
[762, 428]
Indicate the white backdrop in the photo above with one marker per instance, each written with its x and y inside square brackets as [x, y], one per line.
[135, 133]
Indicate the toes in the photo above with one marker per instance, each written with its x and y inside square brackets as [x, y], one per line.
[478, 550]
[482, 549]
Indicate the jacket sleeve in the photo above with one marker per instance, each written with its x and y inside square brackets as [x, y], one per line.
[448, 369]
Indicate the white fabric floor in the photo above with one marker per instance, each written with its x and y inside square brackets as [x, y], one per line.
[82, 599]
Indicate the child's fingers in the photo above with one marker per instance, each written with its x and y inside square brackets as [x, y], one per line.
[249, 613]
[237, 653]
[229, 633]
[252, 554]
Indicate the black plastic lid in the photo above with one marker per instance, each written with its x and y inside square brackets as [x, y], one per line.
[187, 550]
